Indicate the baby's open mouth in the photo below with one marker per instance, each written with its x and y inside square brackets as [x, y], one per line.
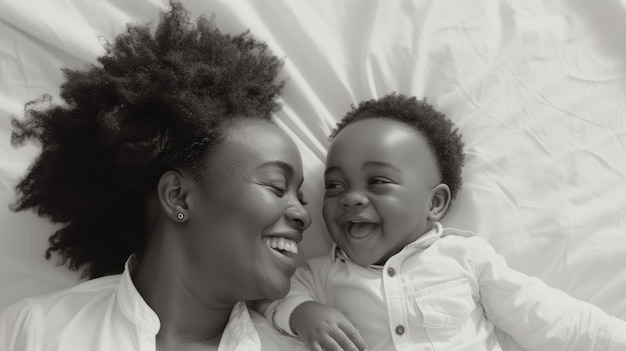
[282, 244]
[358, 229]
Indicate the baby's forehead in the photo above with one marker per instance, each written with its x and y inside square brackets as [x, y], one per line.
[378, 130]
[379, 140]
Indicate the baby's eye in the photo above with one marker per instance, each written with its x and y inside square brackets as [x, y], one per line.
[333, 186]
[378, 181]
[333, 189]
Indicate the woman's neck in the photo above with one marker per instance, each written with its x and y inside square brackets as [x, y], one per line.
[187, 313]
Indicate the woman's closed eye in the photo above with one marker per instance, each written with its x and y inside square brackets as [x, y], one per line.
[281, 191]
[277, 190]
[303, 202]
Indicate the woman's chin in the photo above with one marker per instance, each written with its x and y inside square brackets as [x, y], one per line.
[278, 289]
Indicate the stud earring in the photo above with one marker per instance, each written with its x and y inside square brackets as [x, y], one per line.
[180, 216]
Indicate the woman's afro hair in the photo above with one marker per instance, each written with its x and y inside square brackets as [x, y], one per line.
[443, 137]
[156, 100]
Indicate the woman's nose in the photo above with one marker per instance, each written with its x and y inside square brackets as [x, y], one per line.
[298, 215]
[354, 199]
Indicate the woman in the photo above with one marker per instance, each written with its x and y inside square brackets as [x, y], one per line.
[164, 167]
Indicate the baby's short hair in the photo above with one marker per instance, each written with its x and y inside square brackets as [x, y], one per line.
[443, 136]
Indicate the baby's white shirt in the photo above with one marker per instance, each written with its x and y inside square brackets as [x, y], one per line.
[447, 291]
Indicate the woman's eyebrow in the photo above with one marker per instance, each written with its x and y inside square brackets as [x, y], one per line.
[286, 167]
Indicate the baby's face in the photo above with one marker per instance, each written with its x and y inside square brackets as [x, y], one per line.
[378, 180]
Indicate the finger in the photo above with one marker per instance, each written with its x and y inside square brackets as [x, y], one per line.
[353, 334]
[329, 344]
[323, 343]
[342, 340]
[315, 347]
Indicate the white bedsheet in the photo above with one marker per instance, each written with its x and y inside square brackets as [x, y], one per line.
[538, 89]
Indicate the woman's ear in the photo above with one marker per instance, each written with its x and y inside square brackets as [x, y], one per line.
[439, 202]
[172, 190]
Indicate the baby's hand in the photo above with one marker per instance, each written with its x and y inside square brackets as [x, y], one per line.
[324, 328]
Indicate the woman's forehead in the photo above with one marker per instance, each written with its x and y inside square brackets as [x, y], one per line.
[250, 144]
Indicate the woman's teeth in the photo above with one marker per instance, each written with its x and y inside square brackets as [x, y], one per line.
[282, 243]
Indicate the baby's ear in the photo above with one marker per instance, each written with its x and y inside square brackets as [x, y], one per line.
[439, 202]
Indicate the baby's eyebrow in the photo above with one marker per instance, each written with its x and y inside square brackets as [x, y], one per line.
[381, 164]
[331, 169]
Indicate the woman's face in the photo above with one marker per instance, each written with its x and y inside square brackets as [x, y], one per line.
[247, 214]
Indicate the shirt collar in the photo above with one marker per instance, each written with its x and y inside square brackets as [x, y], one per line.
[132, 304]
[239, 334]
[424, 241]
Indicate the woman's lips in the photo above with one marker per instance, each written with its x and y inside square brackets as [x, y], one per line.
[282, 244]
[283, 249]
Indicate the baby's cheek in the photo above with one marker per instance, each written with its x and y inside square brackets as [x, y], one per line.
[329, 211]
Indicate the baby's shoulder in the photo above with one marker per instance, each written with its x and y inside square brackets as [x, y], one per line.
[455, 232]
[334, 262]
[319, 263]
[453, 237]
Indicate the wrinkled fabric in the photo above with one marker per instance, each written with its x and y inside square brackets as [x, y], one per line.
[537, 88]
[447, 291]
[107, 314]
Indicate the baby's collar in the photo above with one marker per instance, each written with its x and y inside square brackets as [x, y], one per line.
[424, 241]
[428, 238]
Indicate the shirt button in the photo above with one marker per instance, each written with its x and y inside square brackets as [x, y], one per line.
[391, 271]
[400, 329]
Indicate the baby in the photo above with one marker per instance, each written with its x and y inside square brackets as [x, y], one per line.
[395, 274]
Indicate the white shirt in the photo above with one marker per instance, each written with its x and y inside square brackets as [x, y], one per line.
[446, 291]
[108, 314]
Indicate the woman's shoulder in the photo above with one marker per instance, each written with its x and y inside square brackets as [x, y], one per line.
[22, 322]
[90, 288]
[77, 296]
